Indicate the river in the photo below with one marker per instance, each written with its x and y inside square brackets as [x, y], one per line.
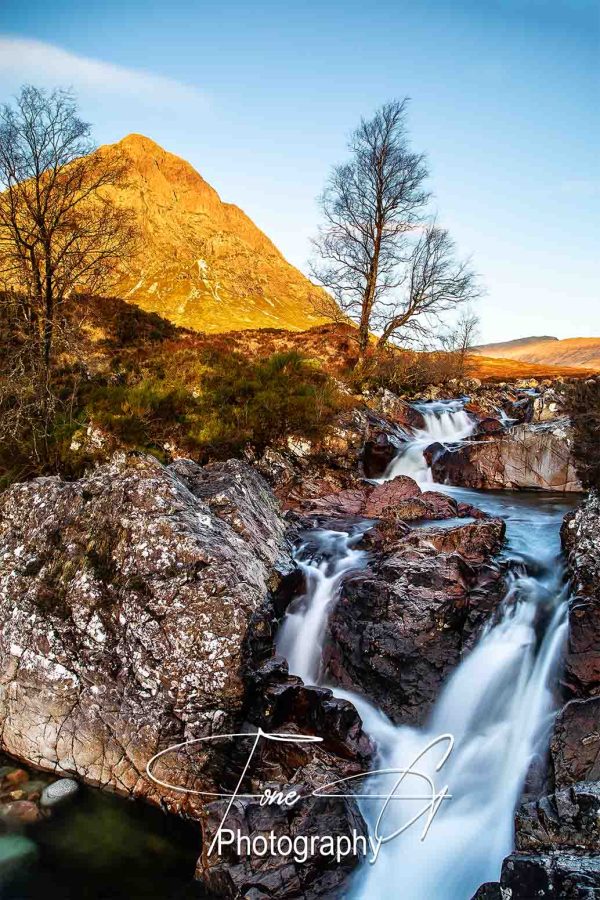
[498, 705]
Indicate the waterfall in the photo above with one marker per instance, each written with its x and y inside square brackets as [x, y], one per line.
[324, 559]
[447, 423]
[497, 705]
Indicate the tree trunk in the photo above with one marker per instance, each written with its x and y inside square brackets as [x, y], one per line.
[369, 296]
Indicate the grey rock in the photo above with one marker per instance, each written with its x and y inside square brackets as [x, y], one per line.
[552, 876]
[58, 792]
[567, 819]
[128, 633]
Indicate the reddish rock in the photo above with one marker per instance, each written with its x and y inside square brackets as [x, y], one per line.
[14, 778]
[412, 510]
[466, 511]
[389, 494]
[350, 502]
[489, 426]
[527, 456]
[440, 506]
[22, 812]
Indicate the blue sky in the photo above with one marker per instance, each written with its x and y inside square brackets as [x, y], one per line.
[260, 98]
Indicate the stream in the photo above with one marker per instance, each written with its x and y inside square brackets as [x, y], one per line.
[497, 705]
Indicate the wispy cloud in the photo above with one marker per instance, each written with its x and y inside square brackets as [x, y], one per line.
[45, 64]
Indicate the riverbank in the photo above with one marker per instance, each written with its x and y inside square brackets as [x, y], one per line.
[415, 587]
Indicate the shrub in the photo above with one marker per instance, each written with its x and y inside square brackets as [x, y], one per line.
[263, 402]
[406, 371]
[143, 415]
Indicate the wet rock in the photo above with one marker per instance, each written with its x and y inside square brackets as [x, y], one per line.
[575, 745]
[397, 410]
[389, 494]
[433, 452]
[439, 506]
[280, 703]
[581, 542]
[21, 812]
[567, 819]
[231, 874]
[378, 453]
[526, 457]
[401, 626]
[489, 426]
[59, 792]
[556, 876]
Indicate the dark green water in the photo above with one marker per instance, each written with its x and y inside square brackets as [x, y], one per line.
[101, 847]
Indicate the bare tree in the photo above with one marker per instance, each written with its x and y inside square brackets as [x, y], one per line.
[434, 283]
[60, 235]
[460, 340]
[390, 268]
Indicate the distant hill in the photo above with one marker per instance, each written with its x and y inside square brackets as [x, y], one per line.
[203, 263]
[570, 352]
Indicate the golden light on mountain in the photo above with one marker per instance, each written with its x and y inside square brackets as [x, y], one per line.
[203, 263]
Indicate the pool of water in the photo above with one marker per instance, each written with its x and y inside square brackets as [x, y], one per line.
[102, 847]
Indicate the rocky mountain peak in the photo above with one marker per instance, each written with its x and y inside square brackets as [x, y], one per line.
[202, 263]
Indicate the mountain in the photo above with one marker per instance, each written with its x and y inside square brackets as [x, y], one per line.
[570, 352]
[202, 263]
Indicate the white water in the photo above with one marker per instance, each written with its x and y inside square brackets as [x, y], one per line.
[497, 704]
[325, 558]
[446, 423]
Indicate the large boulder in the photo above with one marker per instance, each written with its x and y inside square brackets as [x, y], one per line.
[139, 606]
[581, 543]
[575, 746]
[535, 456]
[401, 626]
[400, 499]
[125, 599]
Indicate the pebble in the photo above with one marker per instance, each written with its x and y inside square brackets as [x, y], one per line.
[15, 777]
[15, 850]
[22, 811]
[58, 792]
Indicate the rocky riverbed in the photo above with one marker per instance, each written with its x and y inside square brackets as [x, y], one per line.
[141, 605]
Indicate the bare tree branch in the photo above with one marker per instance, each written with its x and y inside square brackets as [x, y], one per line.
[389, 267]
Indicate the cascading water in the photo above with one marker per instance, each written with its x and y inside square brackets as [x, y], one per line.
[446, 422]
[497, 705]
[324, 558]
